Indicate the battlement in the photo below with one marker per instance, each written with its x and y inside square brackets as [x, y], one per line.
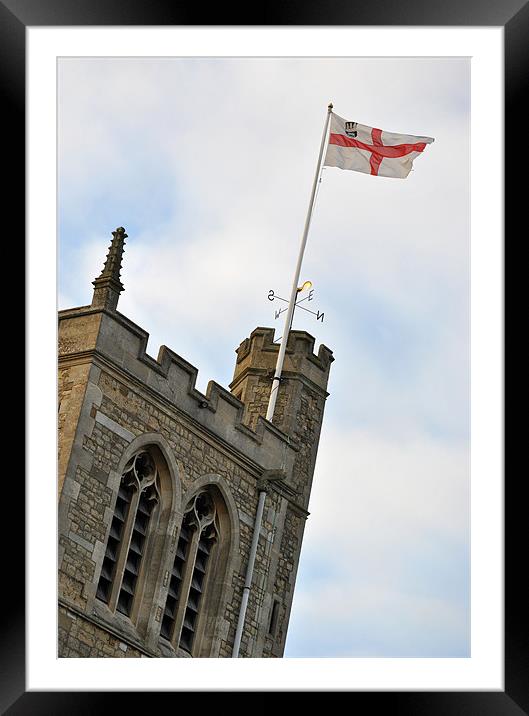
[258, 353]
[115, 341]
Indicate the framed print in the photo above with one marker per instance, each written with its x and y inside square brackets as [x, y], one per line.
[479, 670]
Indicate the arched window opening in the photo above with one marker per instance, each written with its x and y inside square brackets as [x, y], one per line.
[138, 497]
[175, 582]
[198, 536]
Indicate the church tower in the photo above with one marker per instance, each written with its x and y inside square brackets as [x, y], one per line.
[158, 487]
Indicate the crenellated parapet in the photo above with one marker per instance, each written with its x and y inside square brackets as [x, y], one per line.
[258, 353]
[113, 342]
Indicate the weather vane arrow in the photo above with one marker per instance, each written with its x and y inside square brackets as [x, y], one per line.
[272, 296]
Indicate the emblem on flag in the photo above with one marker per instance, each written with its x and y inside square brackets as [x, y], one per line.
[350, 129]
[372, 151]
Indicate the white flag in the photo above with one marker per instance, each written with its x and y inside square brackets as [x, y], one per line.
[372, 151]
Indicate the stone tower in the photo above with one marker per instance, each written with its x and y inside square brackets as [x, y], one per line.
[159, 483]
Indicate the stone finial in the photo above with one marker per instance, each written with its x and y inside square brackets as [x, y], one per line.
[112, 265]
[107, 286]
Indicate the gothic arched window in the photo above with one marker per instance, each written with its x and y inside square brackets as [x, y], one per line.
[189, 576]
[136, 504]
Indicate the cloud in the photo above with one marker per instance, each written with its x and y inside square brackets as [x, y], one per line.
[384, 568]
[387, 488]
[377, 621]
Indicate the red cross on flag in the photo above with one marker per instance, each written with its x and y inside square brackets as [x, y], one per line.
[372, 151]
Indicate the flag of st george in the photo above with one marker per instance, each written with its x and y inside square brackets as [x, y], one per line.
[372, 151]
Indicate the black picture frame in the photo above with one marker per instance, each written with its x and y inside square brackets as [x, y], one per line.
[513, 16]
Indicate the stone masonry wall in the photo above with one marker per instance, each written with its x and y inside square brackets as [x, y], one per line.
[71, 387]
[114, 400]
[300, 399]
[119, 414]
[79, 637]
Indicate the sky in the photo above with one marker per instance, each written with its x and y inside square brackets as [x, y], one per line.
[208, 163]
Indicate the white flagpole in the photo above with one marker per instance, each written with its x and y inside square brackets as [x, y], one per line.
[291, 306]
[273, 398]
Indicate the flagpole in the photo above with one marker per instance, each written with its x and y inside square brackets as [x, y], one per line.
[273, 398]
[291, 306]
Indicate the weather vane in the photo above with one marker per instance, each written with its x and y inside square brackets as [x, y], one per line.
[272, 296]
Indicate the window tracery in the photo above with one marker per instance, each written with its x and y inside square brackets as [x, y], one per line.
[198, 536]
[137, 500]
